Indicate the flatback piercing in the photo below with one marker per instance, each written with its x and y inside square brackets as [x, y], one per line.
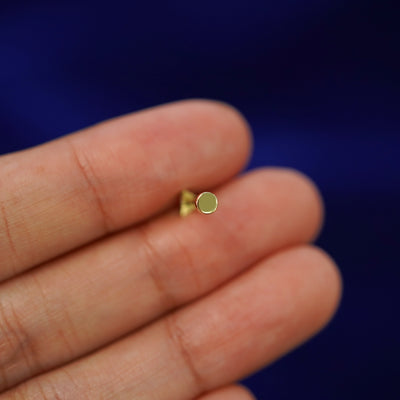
[205, 202]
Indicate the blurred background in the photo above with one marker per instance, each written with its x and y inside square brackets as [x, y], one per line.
[319, 83]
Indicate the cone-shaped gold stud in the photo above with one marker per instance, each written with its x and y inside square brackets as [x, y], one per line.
[205, 202]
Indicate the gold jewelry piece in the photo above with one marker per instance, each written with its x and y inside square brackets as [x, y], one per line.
[205, 202]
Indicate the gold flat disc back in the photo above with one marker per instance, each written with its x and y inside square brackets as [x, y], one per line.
[207, 202]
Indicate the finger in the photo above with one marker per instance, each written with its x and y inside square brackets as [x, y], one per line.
[232, 392]
[76, 304]
[61, 195]
[221, 338]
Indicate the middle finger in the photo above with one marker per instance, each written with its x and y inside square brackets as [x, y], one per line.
[99, 293]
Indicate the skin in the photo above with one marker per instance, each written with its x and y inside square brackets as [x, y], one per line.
[106, 293]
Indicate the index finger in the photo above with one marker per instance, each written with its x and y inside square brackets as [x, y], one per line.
[61, 195]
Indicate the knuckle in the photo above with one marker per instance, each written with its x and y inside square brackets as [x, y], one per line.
[9, 246]
[41, 391]
[182, 345]
[87, 171]
[155, 263]
[171, 265]
[62, 386]
[184, 254]
[13, 341]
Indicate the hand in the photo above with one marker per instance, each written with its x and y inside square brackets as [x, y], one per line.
[107, 293]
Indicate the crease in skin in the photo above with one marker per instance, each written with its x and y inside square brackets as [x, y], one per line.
[153, 256]
[86, 170]
[13, 343]
[7, 231]
[177, 336]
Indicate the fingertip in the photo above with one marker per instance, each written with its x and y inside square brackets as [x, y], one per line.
[308, 197]
[245, 392]
[229, 121]
[333, 282]
[315, 199]
[232, 392]
[326, 279]
[292, 192]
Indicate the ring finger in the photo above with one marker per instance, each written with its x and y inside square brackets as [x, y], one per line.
[247, 323]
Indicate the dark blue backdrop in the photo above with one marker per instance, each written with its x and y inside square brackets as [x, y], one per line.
[319, 83]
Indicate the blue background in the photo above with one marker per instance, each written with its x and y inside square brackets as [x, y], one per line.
[319, 83]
